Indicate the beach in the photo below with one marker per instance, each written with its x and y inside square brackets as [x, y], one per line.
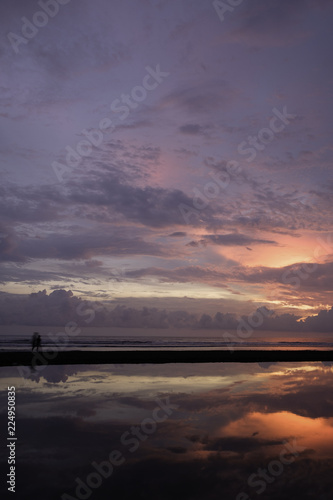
[162, 356]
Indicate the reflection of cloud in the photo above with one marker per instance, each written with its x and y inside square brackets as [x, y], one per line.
[267, 364]
[216, 439]
[50, 373]
[310, 433]
[327, 363]
[238, 444]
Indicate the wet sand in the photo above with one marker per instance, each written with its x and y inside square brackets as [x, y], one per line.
[157, 357]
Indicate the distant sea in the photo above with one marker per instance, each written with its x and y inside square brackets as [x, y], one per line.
[116, 339]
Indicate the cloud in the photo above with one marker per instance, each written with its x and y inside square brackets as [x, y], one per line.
[274, 23]
[61, 306]
[29, 204]
[39, 308]
[80, 244]
[151, 206]
[178, 234]
[123, 199]
[119, 192]
[182, 274]
[232, 239]
[192, 129]
[321, 322]
[201, 99]
[84, 245]
[15, 274]
[8, 245]
[306, 276]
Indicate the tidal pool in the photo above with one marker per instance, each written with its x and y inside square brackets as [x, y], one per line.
[209, 431]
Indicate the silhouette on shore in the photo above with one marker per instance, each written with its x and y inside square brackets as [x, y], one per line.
[36, 341]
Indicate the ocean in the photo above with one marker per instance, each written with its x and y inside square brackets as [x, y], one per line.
[17, 338]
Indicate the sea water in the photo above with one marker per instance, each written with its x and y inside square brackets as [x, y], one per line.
[18, 338]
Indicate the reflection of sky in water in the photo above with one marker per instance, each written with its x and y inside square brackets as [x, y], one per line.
[231, 420]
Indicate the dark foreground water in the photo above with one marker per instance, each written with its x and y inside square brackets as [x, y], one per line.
[212, 431]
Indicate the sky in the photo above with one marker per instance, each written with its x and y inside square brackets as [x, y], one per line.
[167, 155]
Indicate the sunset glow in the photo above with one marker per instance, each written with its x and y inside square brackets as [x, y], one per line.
[173, 156]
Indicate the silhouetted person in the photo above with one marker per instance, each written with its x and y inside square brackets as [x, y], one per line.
[34, 341]
[38, 342]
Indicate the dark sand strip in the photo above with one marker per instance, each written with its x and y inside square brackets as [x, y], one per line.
[156, 357]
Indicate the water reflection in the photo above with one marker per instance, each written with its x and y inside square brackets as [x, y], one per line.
[234, 431]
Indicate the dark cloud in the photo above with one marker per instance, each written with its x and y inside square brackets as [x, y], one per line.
[271, 23]
[8, 246]
[178, 234]
[30, 204]
[322, 322]
[150, 206]
[201, 100]
[86, 245]
[303, 276]
[15, 274]
[61, 306]
[182, 274]
[232, 239]
[192, 129]
[39, 308]
[78, 245]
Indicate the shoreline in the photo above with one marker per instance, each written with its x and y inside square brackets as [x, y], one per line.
[21, 358]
